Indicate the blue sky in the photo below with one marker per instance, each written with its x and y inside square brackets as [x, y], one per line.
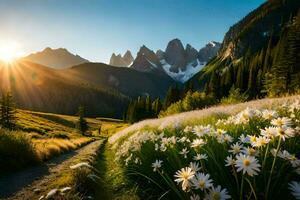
[95, 29]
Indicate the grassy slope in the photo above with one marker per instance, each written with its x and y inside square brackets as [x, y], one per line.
[190, 118]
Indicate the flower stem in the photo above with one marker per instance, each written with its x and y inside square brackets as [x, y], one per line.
[272, 168]
[242, 187]
[265, 158]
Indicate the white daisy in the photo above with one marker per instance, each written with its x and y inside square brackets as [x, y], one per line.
[184, 152]
[248, 164]
[269, 132]
[282, 122]
[249, 151]
[195, 197]
[260, 141]
[269, 114]
[244, 139]
[230, 161]
[284, 133]
[195, 166]
[217, 194]
[200, 157]
[201, 181]
[198, 143]
[236, 148]
[184, 175]
[156, 165]
[295, 188]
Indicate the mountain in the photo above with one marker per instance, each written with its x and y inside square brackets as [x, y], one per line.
[121, 61]
[56, 58]
[146, 61]
[259, 54]
[209, 51]
[104, 90]
[177, 62]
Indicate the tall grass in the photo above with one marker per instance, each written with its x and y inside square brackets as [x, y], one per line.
[16, 151]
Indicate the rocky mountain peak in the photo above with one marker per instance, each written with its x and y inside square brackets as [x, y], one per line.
[121, 61]
[175, 55]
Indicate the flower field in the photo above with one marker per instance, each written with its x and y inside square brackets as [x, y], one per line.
[253, 153]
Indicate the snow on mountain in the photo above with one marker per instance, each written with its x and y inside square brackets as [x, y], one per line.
[183, 76]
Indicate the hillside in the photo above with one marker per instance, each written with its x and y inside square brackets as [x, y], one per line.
[127, 81]
[40, 88]
[249, 65]
[104, 90]
[56, 58]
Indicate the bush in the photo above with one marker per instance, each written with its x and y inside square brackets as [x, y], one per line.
[191, 101]
[16, 151]
[234, 97]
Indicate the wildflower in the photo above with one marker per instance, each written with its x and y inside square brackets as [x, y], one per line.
[235, 148]
[195, 166]
[244, 139]
[249, 151]
[198, 143]
[269, 132]
[248, 164]
[184, 175]
[230, 161]
[200, 157]
[295, 188]
[260, 141]
[282, 122]
[184, 152]
[188, 129]
[269, 114]
[201, 181]
[284, 133]
[156, 165]
[217, 194]
[80, 165]
[227, 138]
[195, 197]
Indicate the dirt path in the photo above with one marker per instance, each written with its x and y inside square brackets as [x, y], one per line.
[31, 183]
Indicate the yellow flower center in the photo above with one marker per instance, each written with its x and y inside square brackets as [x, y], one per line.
[246, 162]
[201, 184]
[216, 196]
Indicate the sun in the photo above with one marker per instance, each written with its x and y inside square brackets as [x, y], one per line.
[9, 51]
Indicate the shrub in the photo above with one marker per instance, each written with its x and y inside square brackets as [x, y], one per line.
[16, 151]
[234, 97]
[192, 101]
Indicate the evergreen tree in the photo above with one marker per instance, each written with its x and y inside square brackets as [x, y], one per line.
[82, 124]
[8, 111]
[172, 96]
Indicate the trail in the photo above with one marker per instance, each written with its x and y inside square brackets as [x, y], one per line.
[32, 182]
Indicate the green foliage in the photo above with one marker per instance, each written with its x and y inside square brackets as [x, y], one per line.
[82, 124]
[16, 151]
[234, 96]
[7, 111]
[191, 101]
[284, 77]
[172, 96]
[142, 108]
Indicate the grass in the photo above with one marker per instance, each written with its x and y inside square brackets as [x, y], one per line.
[172, 140]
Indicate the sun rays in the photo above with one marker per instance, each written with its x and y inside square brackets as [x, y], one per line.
[9, 51]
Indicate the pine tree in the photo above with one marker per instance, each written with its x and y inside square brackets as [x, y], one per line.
[82, 124]
[8, 111]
